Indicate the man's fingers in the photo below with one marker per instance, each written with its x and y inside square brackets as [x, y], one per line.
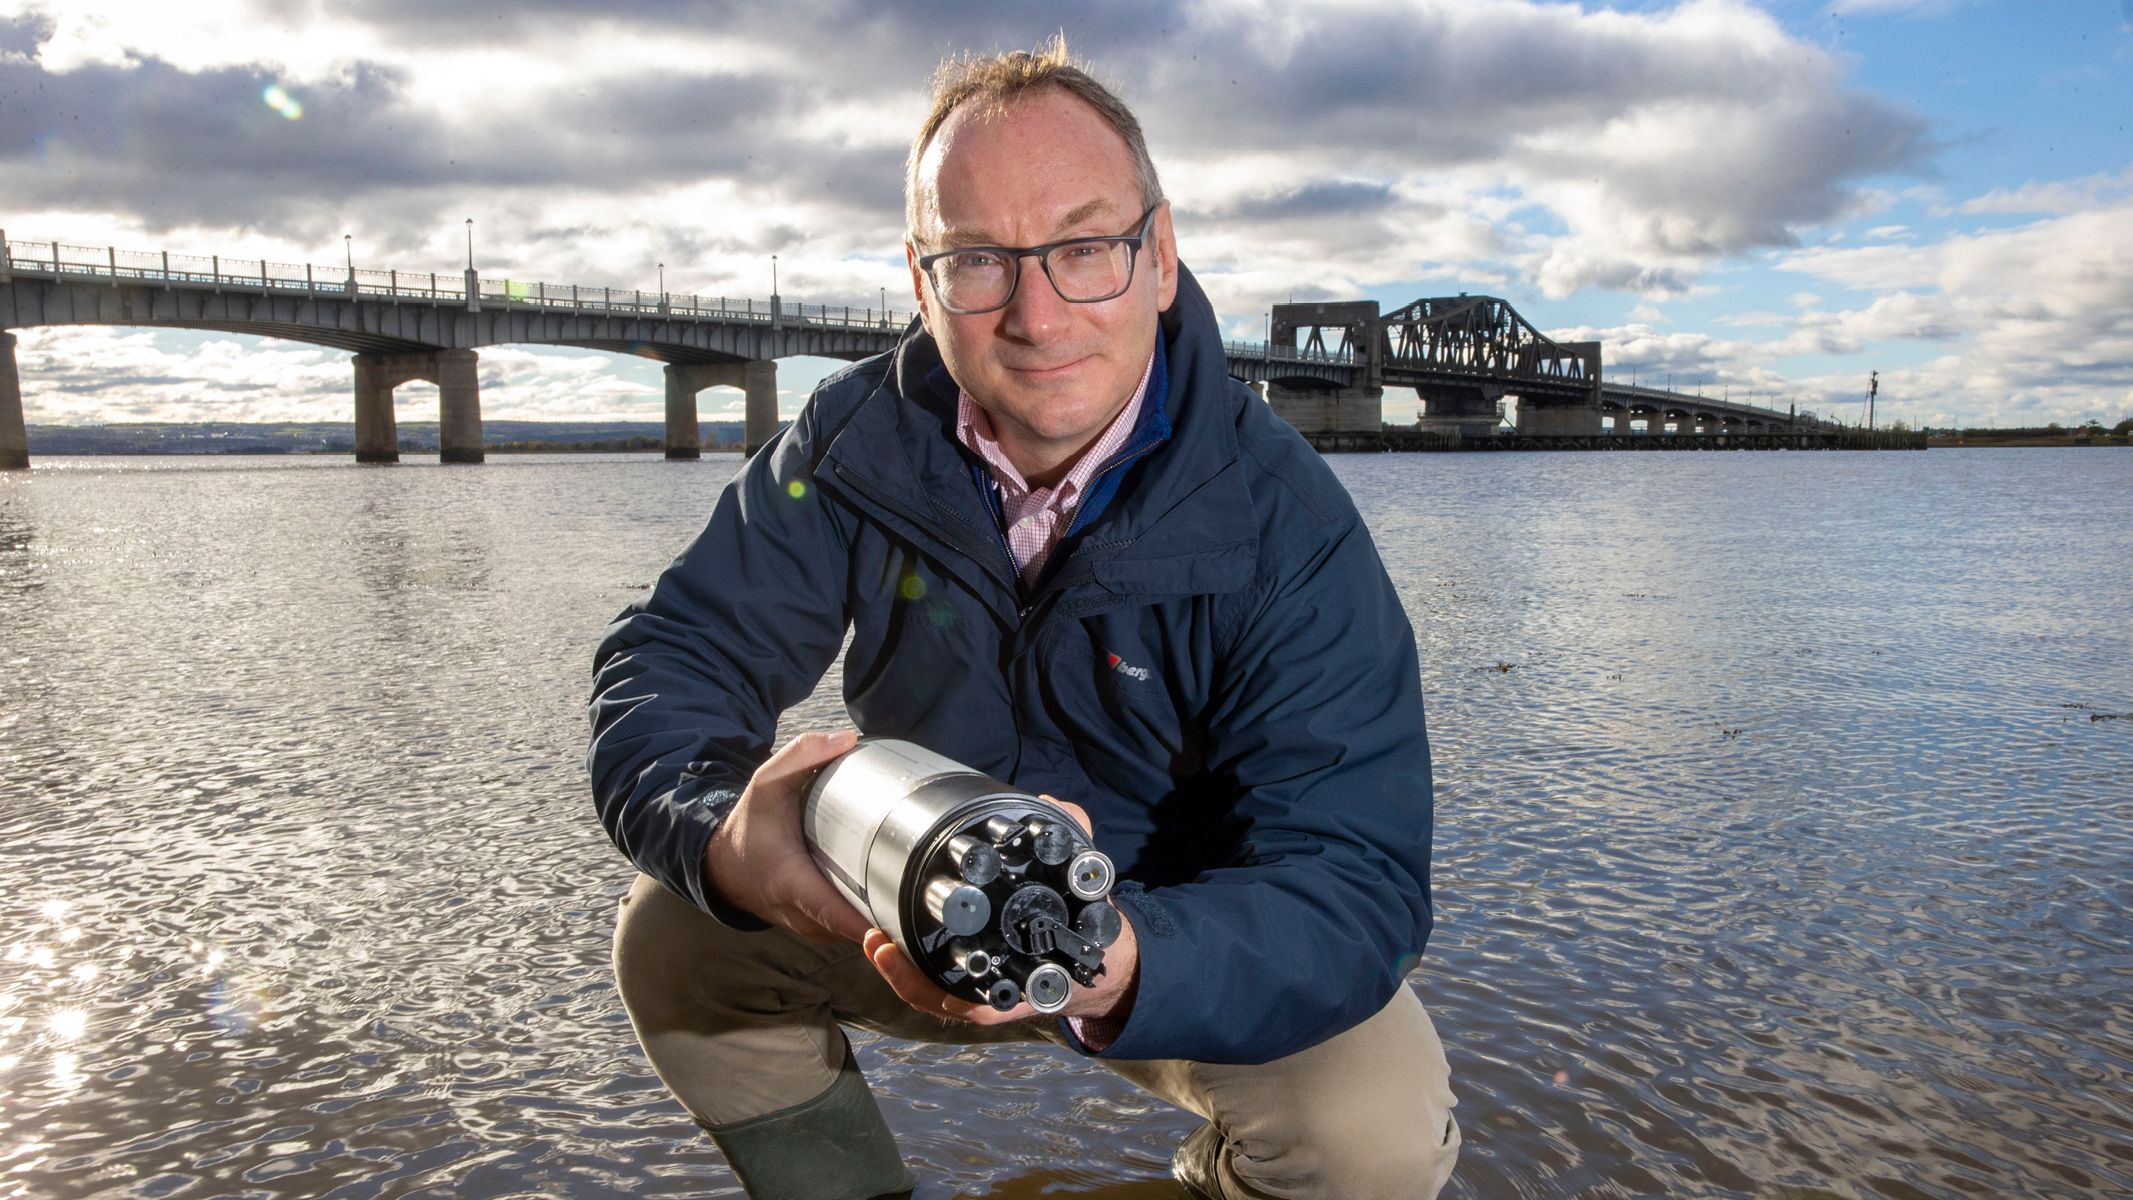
[921, 993]
[819, 901]
[803, 754]
[1074, 810]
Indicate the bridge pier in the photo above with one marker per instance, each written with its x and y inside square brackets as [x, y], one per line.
[377, 435]
[1574, 421]
[457, 376]
[1329, 410]
[458, 382]
[14, 436]
[758, 381]
[1464, 411]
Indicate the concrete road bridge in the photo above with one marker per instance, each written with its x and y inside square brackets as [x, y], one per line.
[1325, 367]
[403, 327]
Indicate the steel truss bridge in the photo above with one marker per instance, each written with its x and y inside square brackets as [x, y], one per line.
[1325, 366]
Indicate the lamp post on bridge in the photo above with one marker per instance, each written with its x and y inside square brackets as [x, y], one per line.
[473, 280]
[348, 251]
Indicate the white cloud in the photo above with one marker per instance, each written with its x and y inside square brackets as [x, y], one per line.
[82, 375]
[2038, 321]
[1335, 144]
[2061, 196]
[2049, 304]
[88, 374]
[1319, 149]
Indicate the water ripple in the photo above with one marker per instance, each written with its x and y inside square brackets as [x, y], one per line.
[1778, 855]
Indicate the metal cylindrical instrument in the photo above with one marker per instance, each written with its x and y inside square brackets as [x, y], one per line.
[995, 893]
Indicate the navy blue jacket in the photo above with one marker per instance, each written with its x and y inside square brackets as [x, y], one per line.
[1214, 665]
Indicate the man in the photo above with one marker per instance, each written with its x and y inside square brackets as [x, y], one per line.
[1071, 552]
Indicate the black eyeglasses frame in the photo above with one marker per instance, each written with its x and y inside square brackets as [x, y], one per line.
[1135, 242]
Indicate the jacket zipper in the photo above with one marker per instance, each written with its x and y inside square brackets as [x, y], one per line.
[859, 485]
[999, 517]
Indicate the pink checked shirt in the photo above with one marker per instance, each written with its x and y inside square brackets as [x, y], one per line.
[1034, 519]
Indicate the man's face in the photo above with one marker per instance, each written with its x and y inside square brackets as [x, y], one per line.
[1050, 373]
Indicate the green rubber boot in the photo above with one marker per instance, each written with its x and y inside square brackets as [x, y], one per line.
[1196, 1165]
[833, 1147]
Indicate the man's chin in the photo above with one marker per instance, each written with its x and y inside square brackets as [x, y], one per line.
[1052, 418]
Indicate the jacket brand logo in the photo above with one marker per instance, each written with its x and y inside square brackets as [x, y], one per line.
[1119, 665]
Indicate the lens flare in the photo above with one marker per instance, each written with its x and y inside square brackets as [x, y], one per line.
[282, 102]
[70, 1024]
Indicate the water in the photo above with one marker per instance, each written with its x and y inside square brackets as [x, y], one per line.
[1779, 853]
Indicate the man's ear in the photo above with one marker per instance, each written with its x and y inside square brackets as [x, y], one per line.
[1166, 254]
[918, 285]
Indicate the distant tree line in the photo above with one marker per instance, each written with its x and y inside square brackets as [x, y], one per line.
[603, 446]
[2088, 431]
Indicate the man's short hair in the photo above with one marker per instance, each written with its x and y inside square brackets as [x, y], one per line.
[995, 82]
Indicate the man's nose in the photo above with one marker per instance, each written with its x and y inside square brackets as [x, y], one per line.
[1036, 313]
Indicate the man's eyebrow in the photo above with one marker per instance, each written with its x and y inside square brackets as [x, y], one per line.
[1083, 212]
[965, 237]
[951, 237]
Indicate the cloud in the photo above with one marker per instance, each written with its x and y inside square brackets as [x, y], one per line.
[2037, 321]
[81, 375]
[1318, 150]
[2059, 196]
[1655, 144]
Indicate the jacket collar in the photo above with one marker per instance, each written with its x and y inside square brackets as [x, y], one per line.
[1180, 521]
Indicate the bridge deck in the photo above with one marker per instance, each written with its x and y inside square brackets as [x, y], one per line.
[329, 307]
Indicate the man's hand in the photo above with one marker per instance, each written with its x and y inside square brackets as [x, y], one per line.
[1122, 961]
[758, 859]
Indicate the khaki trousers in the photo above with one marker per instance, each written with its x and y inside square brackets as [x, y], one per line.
[742, 1024]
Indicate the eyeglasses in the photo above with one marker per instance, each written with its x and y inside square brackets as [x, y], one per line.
[982, 279]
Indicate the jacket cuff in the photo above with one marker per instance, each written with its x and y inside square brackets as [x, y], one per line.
[1095, 1035]
[714, 804]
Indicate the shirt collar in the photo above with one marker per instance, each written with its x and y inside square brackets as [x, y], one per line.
[974, 429]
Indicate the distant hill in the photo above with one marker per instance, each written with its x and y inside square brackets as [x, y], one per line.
[338, 437]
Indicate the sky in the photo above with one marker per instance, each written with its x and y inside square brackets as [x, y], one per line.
[1766, 201]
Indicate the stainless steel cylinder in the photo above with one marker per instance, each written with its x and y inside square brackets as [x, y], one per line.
[989, 889]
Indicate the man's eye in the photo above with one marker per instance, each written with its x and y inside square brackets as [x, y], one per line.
[1082, 250]
[979, 260]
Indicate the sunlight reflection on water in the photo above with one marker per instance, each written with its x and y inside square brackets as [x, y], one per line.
[1779, 853]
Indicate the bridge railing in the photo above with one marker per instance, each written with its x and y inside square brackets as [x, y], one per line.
[514, 294]
[1343, 356]
[113, 265]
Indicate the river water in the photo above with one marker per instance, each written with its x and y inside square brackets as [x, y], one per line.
[1783, 849]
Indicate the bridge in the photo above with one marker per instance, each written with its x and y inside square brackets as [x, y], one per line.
[1324, 367]
[403, 326]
